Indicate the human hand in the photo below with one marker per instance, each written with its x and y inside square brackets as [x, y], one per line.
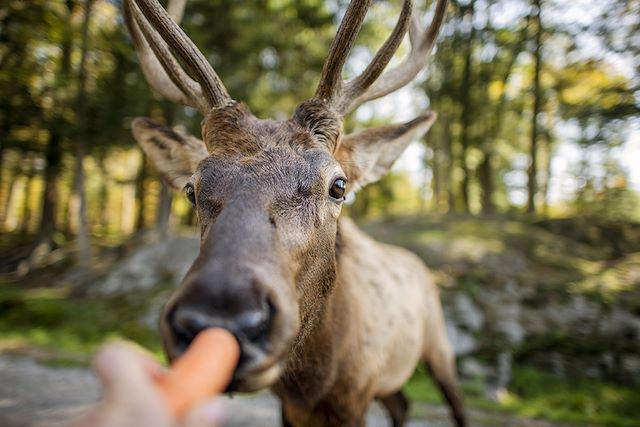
[131, 397]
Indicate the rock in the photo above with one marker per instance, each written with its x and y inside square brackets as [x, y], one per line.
[503, 308]
[498, 380]
[631, 365]
[472, 368]
[622, 324]
[167, 260]
[466, 312]
[151, 318]
[461, 341]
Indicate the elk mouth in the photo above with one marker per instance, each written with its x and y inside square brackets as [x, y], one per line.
[259, 365]
[257, 369]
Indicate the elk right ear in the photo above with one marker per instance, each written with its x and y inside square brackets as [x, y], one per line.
[174, 155]
[367, 156]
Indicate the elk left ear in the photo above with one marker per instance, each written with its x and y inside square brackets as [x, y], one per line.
[174, 154]
[367, 156]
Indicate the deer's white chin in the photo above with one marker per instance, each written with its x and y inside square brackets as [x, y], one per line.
[254, 381]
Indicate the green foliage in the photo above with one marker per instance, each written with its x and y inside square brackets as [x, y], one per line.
[67, 328]
[269, 54]
[534, 394]
[568, 255]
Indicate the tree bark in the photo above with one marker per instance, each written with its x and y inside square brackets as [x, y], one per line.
[102, 217]
[25, 216]
[140, 193]
[532, 184]
[1, 176]
[436, 183]
[53, 157]
[447, 181]
[83, 243]
[467, 108]
[164, 210]
[485, 176]
[53, 154]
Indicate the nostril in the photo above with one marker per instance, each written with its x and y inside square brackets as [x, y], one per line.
[187, 323]
[255, 324]
[251, 323]
[190, 321]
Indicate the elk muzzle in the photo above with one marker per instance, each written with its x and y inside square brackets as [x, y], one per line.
[236, 283]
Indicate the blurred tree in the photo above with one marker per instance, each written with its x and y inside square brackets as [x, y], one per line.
[506, 89]
[83, 244]
[57, 123]
[532, 179]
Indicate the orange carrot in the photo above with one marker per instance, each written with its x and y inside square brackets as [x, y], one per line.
[203, 371]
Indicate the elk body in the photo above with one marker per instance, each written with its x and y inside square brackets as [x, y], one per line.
[327, 318]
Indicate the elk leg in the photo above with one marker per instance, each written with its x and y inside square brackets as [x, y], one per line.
[442, 365]
[398, 406]
[285, 421]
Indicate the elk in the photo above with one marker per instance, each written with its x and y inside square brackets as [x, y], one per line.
[327, 318]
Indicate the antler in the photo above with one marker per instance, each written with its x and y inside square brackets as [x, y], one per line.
[344, 97]
[157, 37]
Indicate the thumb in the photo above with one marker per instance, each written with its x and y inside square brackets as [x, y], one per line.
[210, 413]
[125, 371]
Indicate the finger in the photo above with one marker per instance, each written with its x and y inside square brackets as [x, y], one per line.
[210, 413]
[126, 371]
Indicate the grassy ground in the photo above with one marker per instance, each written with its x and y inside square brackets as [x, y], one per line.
[58, 326]
[535, 394]
[599, 261]
[61, 329]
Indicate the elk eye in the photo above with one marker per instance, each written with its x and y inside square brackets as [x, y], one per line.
[190, 192]
[338, 189]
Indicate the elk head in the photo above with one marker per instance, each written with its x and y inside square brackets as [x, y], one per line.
[268, 193]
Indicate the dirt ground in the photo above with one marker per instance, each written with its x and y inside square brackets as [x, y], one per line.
[33, 395]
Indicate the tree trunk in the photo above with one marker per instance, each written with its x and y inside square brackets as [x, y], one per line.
[532, 185]
[447, 180]
[53, 154]
[547, 177]
[103, 196]
[164, 210]
[436, 183]
[25, 216]
[1, 176]
[8, 219]
[485, 176]
[83, 244]
[467, 108]
[4, 195]
[53, 157]
[140, 193]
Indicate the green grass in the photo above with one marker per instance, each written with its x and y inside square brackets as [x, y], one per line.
[62, 329]
[535, 394]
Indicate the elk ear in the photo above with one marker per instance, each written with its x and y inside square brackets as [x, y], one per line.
[367, 156]
[174, 155]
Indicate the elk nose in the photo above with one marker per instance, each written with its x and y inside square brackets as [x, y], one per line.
[250, 326]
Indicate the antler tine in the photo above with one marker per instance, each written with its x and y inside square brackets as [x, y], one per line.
[360, 84]
[421, 46]
[213, 90]
[158, 64]
[154, 72]
[330, 84]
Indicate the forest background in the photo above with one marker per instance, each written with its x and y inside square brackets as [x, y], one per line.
[535, 158]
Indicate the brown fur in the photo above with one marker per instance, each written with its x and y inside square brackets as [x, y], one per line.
[352, 317]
